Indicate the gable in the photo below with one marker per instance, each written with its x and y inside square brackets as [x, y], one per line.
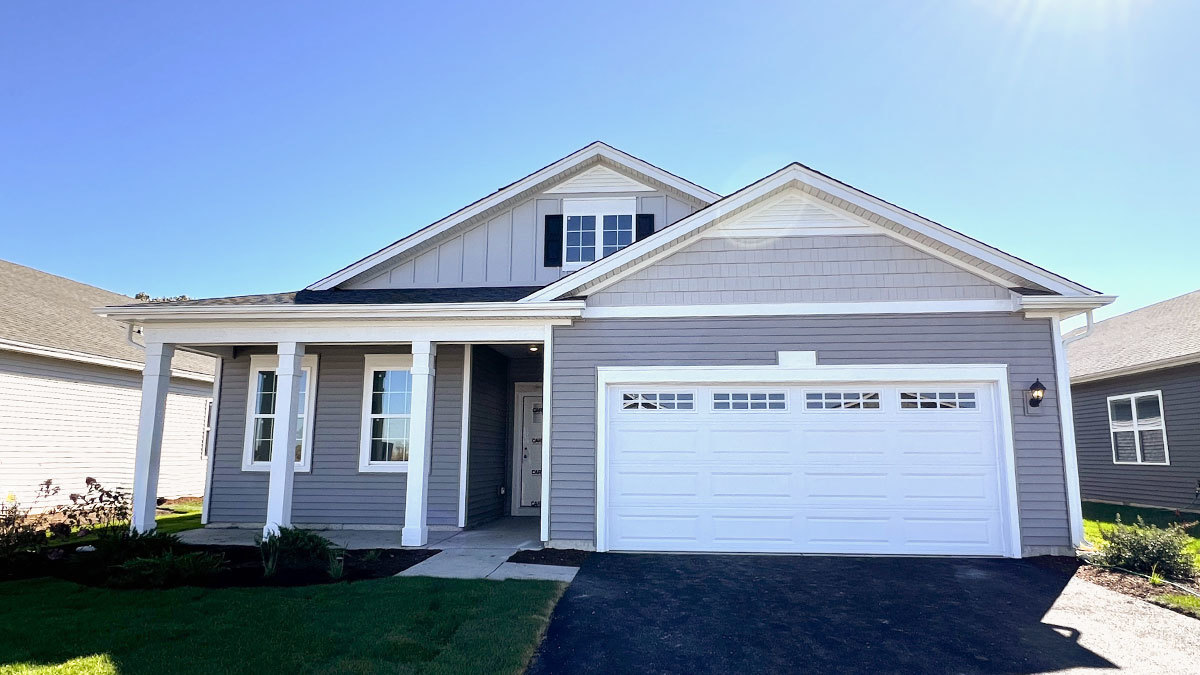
[599, 178]
[810, 268]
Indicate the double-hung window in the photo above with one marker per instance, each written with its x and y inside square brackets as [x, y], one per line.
[386, 413]
[594, 228]
[263, 393]
[1138, 429]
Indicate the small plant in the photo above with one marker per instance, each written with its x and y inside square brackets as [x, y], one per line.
[166, 569]
[337, 563]
[22, 529]
[1148, 549]
[1156, 579]
[372, 555]
[294, 549]
[117, 546]
[97, 510]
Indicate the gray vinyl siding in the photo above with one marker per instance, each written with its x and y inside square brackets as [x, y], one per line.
[1172, 486]
[820, 268]
[506, 249]
[1025, 345]
[486, 472]
[335, 492]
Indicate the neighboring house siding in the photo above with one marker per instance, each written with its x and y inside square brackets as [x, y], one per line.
[1024, 345]
[489, 436]
[69, 421]
[821, 268]
[506, 249]
[1172, 486]
[335, 492]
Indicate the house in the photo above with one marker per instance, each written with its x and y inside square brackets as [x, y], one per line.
[646, 365]
[1135, 379]
[70, 390]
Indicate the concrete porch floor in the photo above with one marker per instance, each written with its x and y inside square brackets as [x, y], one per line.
[516, 533]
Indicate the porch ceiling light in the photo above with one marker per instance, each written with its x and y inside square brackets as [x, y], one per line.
[533, 348]
[1037, 391]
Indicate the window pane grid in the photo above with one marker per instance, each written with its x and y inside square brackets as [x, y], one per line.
[842, 400]
[1137, 428]
[746, 400]
[580, 239]
[938, 400]
[390, 414]
[657, 401]
[618, 233]
[265, 397]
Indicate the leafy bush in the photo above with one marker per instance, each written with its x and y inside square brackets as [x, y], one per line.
[98, 510]
[1148, 549]
[118, 545]
[22, 530]
[166, 569]
[294, 549]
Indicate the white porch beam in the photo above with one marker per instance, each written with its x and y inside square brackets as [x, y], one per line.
[348, 332]
[283, 439]
[420, 440]
[156, 381]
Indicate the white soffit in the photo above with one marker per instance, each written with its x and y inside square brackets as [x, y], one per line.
[599, 179]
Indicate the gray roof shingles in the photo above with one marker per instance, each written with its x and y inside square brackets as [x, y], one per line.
[50, 311]
[1166, 330]
[374, 296]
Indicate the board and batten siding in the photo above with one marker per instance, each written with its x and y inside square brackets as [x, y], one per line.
[335, 493]
[1172, 486]
[1025, 345]
[817, 268]
[504, 250]
[69, 421]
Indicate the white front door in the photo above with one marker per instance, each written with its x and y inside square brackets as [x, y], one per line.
[527, 455]
[911, 468]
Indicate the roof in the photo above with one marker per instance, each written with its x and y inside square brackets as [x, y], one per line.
[373, 296]
[1156, 336]
[585, 157]
[38, 309]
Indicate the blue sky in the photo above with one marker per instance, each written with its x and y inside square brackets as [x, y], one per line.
[220, 148]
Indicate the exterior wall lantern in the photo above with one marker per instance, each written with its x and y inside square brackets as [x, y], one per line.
[1037, 391]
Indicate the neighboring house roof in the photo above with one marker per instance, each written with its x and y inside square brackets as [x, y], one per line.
[52, 316]
[375, 296]
[1158, 336]
[586, 157]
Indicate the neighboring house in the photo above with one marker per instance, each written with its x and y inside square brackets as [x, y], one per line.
[1136, 383]
[794, 367]
[70, 387]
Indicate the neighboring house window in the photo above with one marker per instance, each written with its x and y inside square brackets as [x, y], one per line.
[260, 412]
[386, 413]
[747, 400]
[1138, 429]
[594, 228]
[657, 401]
[204, 438]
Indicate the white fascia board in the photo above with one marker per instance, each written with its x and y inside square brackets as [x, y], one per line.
[92, 359]
[1061, 307]
[375, 331]
[1161, 364]
[679, 232]
[596, 149]
[775, 374]
[801, 309]
[461, 310]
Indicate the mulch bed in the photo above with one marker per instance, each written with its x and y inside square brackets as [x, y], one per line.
[1130, 584]
[564, 557]
[243, 567]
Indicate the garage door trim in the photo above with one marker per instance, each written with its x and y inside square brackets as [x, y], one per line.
[994, 374]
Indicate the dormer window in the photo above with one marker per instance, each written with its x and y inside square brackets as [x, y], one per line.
[594, 228]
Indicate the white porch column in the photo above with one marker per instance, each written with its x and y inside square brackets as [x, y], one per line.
[283, 438]
[1062, 387]
[156, 380]
[416, 503]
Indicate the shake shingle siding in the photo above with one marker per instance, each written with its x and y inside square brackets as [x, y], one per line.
[335, 492]
[1172, 486]
[1024, 345]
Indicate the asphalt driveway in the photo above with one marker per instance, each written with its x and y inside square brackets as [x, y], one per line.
[723, 614]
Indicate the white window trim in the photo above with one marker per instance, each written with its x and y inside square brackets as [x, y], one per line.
[371, 363]
[712, 400]
[260, 362]
[657, 411]
[1137, 437]
[599, 207]
[835, 390]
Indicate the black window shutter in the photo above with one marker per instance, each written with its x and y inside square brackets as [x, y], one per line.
[645, 225]
[552, 256]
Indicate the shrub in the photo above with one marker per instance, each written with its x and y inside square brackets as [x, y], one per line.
[22, 530]
[1148, 549]
[294, 549]
[166, 569]
[98, 510]
[118, 545]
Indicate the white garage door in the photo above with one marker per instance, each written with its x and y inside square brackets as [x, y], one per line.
[876, 468]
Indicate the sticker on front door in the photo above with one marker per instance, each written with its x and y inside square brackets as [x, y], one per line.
[531, 450]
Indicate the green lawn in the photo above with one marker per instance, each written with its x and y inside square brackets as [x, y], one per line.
[1096, 514]
[1189, 604]
[184, 516]
[406, 625]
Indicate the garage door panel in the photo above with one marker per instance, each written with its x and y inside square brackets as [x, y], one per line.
[949, 535]
[650, 485]
[949, 489]
[842, 445]
[752, 486]
[742, 444]
[659, 443]
[847, 487]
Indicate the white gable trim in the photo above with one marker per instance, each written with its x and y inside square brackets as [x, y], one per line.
[593, 150]
[599, 179]
[678, 234]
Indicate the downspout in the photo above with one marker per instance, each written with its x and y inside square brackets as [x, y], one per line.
[130, 329]
[1086, 332]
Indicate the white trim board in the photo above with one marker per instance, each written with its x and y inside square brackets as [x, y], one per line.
[588, 153]
[993, 374]
[258, 362]
[795, 172]
[371, 364]
[802, 308]
[445, 310]
[92, 359]
[1066, 422]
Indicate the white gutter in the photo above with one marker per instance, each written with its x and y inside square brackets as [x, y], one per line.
[1086, 332]
[461, 310]
[92, 359]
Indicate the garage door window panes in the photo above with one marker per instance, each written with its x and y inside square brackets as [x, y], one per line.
[658, 401]
[937, 400]
[750, 400]
[841, 400]
[1139, 434]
